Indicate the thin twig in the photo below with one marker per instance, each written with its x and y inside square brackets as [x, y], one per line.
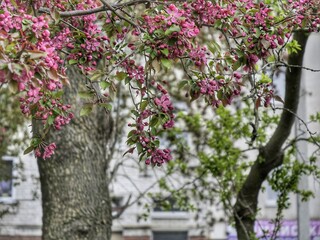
[106, 4]
[303, 122]
[283, 64]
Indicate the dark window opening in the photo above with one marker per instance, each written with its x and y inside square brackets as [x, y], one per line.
[170, 236]
[6, 176]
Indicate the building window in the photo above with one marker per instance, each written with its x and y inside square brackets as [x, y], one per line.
[168, 204]
[170, 236]
[117, 206]
[6, 179]
[168, 208]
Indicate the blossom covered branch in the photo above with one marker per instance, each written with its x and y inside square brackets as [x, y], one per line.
[36, 49]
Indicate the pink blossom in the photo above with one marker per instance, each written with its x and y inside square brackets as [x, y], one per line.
[198, 55]
[253, 59]
[159, 157]
[208, 87]
[164, 103]
[168, 124]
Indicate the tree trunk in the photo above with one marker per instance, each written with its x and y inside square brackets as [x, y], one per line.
[271, 155]
[74, 184]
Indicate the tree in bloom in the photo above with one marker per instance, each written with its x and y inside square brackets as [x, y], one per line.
[134, 42]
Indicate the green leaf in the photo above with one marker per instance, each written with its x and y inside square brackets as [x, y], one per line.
[85, 95]
[182, 84]
[172, 29]
[14, 4]
[158, 32]
[165, 52]
[194, 95]
[154, 121]
[172, 41]
[35, 141]
[96, 76]
[166, 63]
[236, 65]
[293, 46]
[107, 106]
[82, 60]
[73, 61]
[127, 80]
[57, 94]
[131, 133]
[13, 86]
[139, 147]
[86, 110]
[28, 150]
[121, 75]
[220, 94]
[104, 84]
[143, 105]
[258, 33]
[265, 79]
[50, 120]
[26, 24]
[142, 156]
[134, 112]
[38, 75]
[214, 47]
[156, 143]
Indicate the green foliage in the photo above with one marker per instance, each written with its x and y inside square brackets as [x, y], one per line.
[215, 161]
[11, 123]
[293, 47]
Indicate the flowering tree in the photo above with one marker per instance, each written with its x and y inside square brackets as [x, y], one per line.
[134, 42]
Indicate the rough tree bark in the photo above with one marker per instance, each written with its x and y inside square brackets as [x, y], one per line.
[74, 184]
[271, 155]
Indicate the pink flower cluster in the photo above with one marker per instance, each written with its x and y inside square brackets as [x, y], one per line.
[146, 125]
[159, 157]
[217, 92]
[134, 71]
[258, 31]
[147, 141]
[30, 62]
[33, 65]
[208, 87]
[166, 107]
[207, 13]
[84, 49]
[305, 16]
[164, 103]
[45, 151]
[264, 95]
[173, 30]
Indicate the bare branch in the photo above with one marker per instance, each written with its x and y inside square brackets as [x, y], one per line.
[304, 124]
[283, 64]
[75, 13]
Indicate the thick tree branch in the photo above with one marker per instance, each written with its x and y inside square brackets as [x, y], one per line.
[106, 6]
[103, 8]
[291, 101]
[118, 6]
[75, 13]
[271, 155]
